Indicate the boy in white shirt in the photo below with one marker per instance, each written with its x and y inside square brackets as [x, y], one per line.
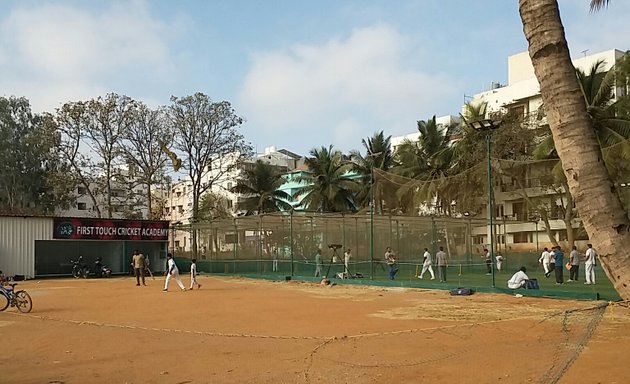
[346, 261]
[172, 273]
[545, 259]
[499, 260]
[590, 261]
[427, 265]
[193, 275]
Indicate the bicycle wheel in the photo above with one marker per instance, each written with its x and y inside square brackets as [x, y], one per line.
[75, 272]
[23, 302]
[4, 302]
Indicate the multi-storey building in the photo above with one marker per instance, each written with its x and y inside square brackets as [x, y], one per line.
[223, 176]
[518, 225]
[126, 202]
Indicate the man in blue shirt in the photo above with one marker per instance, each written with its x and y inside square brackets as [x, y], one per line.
[559, 264]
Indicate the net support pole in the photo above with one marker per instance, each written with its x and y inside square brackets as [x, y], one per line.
[490, 206]
[291, 238]
[372, 221]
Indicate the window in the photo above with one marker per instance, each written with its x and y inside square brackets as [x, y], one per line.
[229, 185]
[517, 111]
[498, 210]
[230, 204]
[166, 210]
[180, 209]
[179, 194]
[231, 238]
[522, 237]
[81, 190]
[82, 206]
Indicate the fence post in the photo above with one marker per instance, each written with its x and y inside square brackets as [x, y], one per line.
[236, 240]
[291, 238]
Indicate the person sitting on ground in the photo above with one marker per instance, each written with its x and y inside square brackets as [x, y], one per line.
[519, 279]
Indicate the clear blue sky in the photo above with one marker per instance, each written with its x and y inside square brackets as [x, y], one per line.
[303, 73]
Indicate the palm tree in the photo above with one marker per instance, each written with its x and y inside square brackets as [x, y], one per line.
[588, 180]
[429, 160]
[598, 4]
[328, 186]
[379, 156]
[260, 188]
[597, 86]
[611, 128]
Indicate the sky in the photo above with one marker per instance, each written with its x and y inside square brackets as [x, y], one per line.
[303, 74]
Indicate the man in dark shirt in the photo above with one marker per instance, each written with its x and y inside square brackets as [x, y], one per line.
[559, 265]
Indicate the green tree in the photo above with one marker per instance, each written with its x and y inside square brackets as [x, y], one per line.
[92, 133]
[612, 129]
[206, 135]
[428, 160]
[575, 140]
[146, 160]
[259, 185]
[329, 186]
[378, 155]
[33, 179]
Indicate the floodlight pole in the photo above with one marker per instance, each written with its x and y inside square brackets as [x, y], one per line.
[373, 156]
[291, 238]
[487, 126]
[490, 205]
[372, 221]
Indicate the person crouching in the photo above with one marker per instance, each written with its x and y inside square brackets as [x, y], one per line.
[519, 279]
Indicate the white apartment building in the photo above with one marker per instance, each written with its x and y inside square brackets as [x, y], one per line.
[125, 202]
[178, 204]
[521, 95]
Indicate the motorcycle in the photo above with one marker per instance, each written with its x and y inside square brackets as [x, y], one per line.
[100, 269]
[79, 270]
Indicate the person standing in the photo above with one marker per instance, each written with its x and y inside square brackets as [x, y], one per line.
[274, 265]
[390, 259]
[552, 259]
[346, 261]
[193, 275]
[558, 255]
[574, 261]
[318, 263]
[172, 273]
[499, 260]
[138, 266]
[442, 263]
[488, 258]
[590, 261]
[427, 264]
[545, 259]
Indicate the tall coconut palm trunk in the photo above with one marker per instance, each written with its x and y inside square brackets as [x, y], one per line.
[590, 185]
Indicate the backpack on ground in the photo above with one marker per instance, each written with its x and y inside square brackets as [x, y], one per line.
[531, 284]
[461, 292]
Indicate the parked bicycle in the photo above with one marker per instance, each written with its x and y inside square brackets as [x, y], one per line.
[19, 299]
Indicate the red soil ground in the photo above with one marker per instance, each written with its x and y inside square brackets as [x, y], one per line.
[249, 331]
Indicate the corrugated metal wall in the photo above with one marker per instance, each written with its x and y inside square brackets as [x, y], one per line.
[17, 243]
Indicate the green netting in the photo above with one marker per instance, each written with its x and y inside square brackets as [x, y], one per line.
[283, 246]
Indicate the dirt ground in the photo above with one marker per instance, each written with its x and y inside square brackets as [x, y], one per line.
[251, 331]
